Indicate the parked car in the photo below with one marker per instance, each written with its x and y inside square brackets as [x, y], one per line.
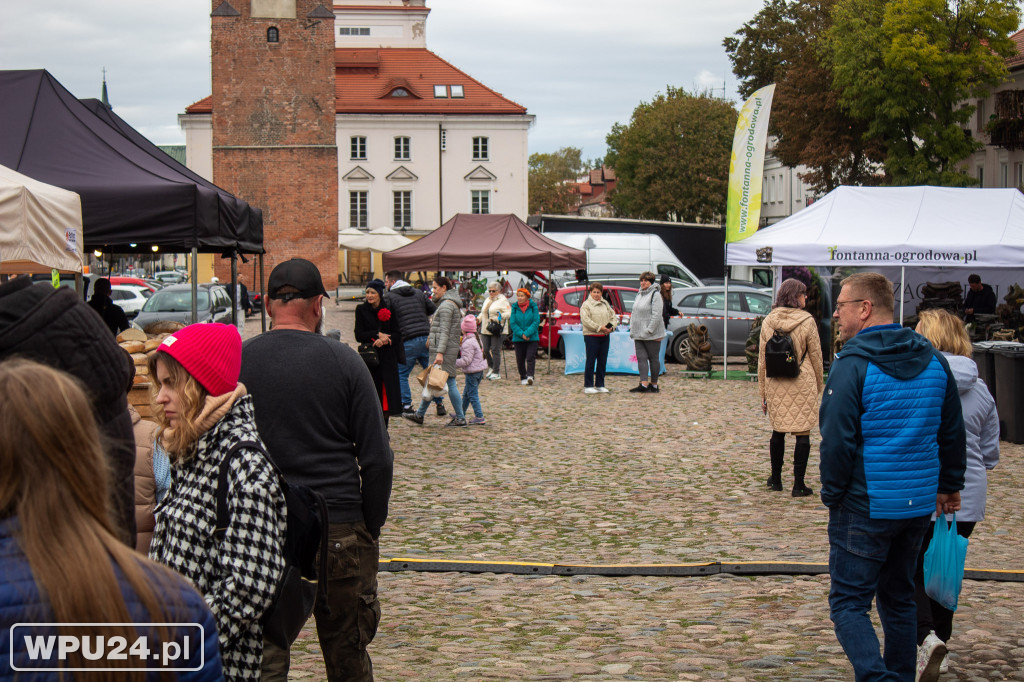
[174, 303]
[169, 277]
[130, 298]
[135, 281]
[68, 280]
[705, 305]
[567, 311]
[255, 302]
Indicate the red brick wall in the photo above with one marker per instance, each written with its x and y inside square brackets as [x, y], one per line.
[274, 131]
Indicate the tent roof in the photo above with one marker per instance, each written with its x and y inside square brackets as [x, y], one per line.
[484, 242]
[894, 226]
[129, 194]
[40, 226]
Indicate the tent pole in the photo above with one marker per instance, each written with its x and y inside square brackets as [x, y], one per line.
[234, 289]
[903, 285]
[725, 330]
[263, 297]
[195, 283]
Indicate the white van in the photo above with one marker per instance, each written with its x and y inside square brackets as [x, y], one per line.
[625, 254]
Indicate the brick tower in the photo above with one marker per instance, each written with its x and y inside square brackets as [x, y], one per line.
[274, 141]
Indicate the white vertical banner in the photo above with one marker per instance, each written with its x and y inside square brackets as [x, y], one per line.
[743, 211]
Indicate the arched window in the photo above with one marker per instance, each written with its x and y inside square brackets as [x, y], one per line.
[272, 35]
[399, 92]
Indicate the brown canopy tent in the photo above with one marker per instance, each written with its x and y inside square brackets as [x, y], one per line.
[470, 242]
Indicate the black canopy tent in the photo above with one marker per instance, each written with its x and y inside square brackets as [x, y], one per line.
[133, 195]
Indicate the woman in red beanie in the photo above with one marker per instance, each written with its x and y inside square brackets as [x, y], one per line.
[207, 428]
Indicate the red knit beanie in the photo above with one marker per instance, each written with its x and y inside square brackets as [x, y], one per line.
[212, 353]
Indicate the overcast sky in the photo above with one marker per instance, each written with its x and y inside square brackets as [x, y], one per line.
[578, 65]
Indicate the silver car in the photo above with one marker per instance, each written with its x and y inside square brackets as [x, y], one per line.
[174, 303]
[706, 306]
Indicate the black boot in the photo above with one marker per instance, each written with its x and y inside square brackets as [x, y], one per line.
[776, 447]
[800, 454]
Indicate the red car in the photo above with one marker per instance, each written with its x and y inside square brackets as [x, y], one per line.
[567, 311]
[137, 281]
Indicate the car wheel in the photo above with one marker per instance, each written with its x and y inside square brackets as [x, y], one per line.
[679, 347]
[560, 348]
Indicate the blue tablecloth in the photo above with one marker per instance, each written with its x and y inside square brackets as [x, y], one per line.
[621, 353]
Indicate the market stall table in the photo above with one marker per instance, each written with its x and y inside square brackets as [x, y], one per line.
[621, 352]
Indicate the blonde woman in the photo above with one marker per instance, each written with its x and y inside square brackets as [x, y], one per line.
[949, 336]
[206, 427]
[599, 321]
[496, 309]
[59, 557]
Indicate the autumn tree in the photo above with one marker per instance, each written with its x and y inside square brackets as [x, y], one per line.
[909, 69]
[552, 181]
[783, 44]
[672, 159]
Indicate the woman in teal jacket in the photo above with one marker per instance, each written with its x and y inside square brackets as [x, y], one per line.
[524, 325]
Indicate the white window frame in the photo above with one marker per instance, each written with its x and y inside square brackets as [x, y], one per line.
[401, 202]
[440, 92]
[480, 201]
[481, 148]
[457, 92]
[358, 209]
[403, 148]
[355, 143]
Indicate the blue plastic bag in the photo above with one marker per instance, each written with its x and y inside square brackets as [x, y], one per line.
[944, 563]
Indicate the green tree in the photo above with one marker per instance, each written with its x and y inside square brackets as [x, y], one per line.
[782, 44]
[672, 159]
[907, 68]
[552, 181]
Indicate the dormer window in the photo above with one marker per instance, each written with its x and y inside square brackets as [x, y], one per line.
[441, 91]
[399, 92]
[457, 91]
[272, 35]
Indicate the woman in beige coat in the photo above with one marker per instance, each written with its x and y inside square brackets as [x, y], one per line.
[599, 321]
[497, 309]
[791, 403]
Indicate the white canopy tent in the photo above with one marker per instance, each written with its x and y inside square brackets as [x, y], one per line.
[927, 229]
[40, 226]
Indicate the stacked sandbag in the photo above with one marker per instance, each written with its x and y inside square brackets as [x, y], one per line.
[753, 348]
[698, 349]
[140, 345]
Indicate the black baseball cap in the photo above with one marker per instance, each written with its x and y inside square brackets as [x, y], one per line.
[298, 273]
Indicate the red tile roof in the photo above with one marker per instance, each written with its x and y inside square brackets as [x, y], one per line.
[1017, 59]
[365, 78]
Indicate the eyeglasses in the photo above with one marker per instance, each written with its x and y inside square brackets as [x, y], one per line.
[842, 303]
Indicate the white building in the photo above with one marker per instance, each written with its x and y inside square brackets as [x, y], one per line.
[418, 139]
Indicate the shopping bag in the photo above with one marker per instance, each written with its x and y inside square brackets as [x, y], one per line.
[422, 376]
[944, 563]
[438, 378]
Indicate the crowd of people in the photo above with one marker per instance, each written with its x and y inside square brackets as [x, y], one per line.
[908, 432]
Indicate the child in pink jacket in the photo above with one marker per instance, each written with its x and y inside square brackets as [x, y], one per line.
[471, 361]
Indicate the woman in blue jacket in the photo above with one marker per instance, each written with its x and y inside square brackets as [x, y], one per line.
[524, 328]
[58, 554]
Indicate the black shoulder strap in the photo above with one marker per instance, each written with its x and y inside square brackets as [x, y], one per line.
[223, 515]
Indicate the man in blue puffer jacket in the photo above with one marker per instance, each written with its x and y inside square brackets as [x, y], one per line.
[893, 450]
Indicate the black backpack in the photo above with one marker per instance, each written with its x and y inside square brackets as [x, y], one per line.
[780, 357]
[305, 553]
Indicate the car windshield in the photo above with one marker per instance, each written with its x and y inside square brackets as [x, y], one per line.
[627, 300]
[176, 302]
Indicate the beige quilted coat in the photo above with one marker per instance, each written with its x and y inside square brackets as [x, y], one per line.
[792, 403]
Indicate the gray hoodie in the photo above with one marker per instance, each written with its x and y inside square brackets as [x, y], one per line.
[646, 322]
[982, 424]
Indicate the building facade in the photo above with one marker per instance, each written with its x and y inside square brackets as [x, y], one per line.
[413, 139]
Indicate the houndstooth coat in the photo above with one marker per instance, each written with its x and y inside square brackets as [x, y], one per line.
[237, 575]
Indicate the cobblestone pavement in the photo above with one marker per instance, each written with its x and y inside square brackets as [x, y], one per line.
[557, 476]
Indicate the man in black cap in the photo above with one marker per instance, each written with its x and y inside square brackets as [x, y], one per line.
[317, 411]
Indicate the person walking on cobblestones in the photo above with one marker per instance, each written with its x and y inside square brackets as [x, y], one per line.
[413, 309]
[317, 411]
[472, 363]
[524, 325]
[791, 403]
[443, 342]
[892, 452]
[948, 335]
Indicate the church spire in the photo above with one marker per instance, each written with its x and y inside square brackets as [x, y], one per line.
[103, 97]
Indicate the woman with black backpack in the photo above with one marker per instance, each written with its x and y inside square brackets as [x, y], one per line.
[789, 376]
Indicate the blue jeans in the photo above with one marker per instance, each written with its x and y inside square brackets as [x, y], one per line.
[453, 395]
[597, 352]
[471, 393]
[415, 351]
[875, 558]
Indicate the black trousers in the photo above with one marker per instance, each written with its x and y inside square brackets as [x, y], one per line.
[930, 614]
[526, 357]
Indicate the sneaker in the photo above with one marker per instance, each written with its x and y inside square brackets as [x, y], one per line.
[455, 421]
[652, 388]
[602, 389]
[929, 658]
[529, 381]
[493, 376]
[413, 417]
[524, 382]
[407, 409]
[477, 421]
[639, 388]
[944, 666]
[441, 411]
[589, 390]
